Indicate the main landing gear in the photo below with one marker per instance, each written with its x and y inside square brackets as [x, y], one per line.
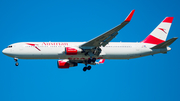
[89, 62]
[16, 60]
[87, 68]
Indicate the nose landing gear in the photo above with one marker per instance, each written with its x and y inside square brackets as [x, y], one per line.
[16, 60]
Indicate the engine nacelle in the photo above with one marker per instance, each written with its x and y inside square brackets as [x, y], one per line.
[65, 64]
[72, 50]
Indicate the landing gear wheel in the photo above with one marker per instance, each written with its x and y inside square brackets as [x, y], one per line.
[93, 60]
[84, 69]
[17, 64]
[89, 61]
[89, 67]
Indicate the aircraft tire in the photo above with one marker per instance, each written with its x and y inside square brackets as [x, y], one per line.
[89, 61]
[84, 69]
[93, 60]
[89, 67]
[17, 64]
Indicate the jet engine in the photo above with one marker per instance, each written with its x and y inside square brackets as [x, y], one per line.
[65, 64]
[72, 50]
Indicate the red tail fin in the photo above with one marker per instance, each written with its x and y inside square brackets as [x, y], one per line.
[159, 34]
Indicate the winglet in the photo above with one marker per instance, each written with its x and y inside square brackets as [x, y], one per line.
[128, 19]
[101, 60]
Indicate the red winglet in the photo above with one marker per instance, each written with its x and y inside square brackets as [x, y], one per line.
[168, 19]
[130, 16]
[101, 60]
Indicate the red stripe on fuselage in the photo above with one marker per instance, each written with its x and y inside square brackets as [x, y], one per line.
[34, 45]
[152, 40]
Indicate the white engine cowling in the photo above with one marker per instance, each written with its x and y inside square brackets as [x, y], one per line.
[65, 64]
[72, 50]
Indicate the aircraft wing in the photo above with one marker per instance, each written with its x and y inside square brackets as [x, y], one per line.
[106, 37]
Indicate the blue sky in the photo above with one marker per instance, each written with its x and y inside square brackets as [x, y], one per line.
[151, 78]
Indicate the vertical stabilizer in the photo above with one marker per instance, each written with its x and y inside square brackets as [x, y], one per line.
[159, 34]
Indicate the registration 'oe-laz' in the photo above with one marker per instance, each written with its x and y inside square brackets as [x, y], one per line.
[72, 53]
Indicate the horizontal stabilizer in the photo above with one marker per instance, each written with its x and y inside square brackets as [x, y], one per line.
[165, 44]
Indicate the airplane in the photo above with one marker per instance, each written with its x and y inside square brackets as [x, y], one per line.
[69, 54]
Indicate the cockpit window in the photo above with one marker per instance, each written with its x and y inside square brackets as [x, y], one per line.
[9, 46]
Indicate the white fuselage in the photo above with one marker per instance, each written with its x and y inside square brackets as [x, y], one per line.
[56, 50]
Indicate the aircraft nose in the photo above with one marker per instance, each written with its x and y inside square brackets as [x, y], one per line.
[8, 52]
[5, 51]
